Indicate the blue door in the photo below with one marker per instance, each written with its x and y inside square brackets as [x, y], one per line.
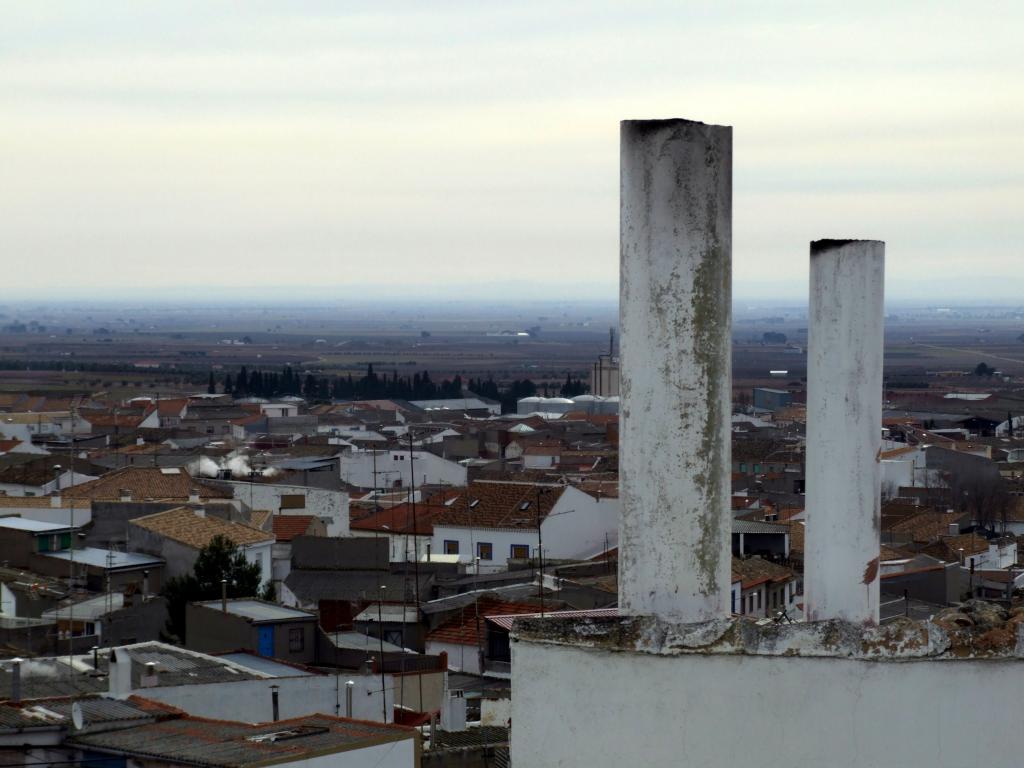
[266, 641]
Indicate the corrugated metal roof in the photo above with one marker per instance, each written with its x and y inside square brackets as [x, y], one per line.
[265, 666]
[754, 526]
[505, 622]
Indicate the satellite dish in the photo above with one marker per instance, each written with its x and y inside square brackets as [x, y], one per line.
[77, 718]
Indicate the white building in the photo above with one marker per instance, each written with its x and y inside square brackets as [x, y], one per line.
[493, 523]
[399, 469]
[281, 499]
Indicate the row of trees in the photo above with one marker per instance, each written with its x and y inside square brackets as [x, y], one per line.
[373, 386]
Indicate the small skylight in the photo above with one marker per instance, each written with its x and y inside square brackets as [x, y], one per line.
[170, 471]
[473, 503]
[524, 505]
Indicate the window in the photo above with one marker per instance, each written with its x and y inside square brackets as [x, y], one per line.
[484, 550]
[296, 640]
[520, 552]
[293, 501]
[451, 547]
[743, 467]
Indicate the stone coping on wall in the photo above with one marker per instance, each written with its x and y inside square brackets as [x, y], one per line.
[976, 630]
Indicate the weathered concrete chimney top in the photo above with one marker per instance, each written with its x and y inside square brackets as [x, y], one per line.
[676, 316]
[844, 429]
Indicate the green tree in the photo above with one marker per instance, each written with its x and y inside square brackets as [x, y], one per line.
[219, 560]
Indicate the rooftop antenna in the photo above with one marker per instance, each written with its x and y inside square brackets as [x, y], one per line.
[611, 341]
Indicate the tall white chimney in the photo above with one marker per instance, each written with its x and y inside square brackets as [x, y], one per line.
[676, 315]
[844, 429]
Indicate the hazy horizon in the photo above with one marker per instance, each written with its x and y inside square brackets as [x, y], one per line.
[198, 148]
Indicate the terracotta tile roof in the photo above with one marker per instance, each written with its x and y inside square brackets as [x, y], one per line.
[797, 531]
[948, 547]
[8, 445]
[185, 526]
[500, 505]
[461, 629]
[753, 571]
[925, 526]
[258, 518]
[287, 527]
[39, 470]
[897, 452]
[603, 489]
[172, 407]
[126, 419]
[43, 501]
[399, 518]
[145, 483]
[887, 554]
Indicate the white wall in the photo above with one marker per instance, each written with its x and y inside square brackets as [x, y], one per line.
[461, 658]
[400, 546]
[500, 539]
[396, 754]
[577, 527]
[496, 712]
[896, 473]
[330, 506]
[18, 489]
[393, 466]
[572, 707]
[81, 515]
[261, 555]
[8, 604]
[249, 701]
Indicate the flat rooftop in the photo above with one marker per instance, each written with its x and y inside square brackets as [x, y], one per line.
[196, 741]
[32, 526]
[108, 558]
[258, 611]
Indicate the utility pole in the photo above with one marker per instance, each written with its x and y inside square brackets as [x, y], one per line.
[540, 549]
[380, 633]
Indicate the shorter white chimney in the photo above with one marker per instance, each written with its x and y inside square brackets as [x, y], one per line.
[55, 502]
[954, 529]
[193, 496]
[150, 677]
[200, 512]
[120, 667]
[126, 494]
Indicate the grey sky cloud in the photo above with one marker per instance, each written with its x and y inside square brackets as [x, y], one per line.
[264, 143]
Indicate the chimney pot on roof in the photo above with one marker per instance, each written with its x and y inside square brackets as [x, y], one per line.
[126, 494]
[193, 496]
[15, 681]
[55, 502]
[200, 512]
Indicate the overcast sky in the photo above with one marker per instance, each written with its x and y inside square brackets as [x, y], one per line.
[151, 146]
